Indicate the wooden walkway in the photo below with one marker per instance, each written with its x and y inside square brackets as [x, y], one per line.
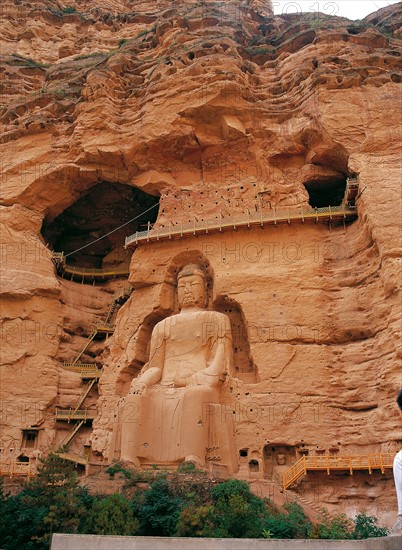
[86, 273]
[251, 219]
[329, 464]
[16, 469]
[71, 415]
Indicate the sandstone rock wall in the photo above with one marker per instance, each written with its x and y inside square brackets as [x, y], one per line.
[217, 109]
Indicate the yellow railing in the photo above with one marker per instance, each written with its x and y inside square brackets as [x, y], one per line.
[62, 266]
[72, 414]
[79, 367]
[16, 469]
[329, 462]
[92, 272]
[105, 327]
[251, 219]
[90, 373]
[86, 370]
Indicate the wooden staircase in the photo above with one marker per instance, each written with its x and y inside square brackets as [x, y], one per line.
[90, 374]
[330, 464]
[119, 298]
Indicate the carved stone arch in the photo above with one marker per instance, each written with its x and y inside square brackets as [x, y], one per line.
[244, 366]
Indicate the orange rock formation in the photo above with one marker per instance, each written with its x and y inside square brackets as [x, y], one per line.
[214, 109]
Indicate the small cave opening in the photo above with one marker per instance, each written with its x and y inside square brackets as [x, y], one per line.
[328, 192]
[254, 466]
[88, 228]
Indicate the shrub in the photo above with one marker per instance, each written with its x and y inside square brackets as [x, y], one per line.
[335, 527]
[291, 524]
[112, 516]
[159, 509]
[366, 527]
[192, 521]
[235, 512]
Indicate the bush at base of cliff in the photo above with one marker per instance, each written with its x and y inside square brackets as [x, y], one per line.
[367, 527]
[292, 524]
[235, 512]
[333, 527]
[111, 516]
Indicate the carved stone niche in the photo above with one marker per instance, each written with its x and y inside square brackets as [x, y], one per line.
[278, 457]
[255, 469]
[243, 365]
[174, 409]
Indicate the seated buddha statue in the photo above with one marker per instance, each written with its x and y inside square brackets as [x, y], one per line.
[173, 411]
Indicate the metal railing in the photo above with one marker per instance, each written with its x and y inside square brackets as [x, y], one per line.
[329, 462]
[87, 374]
[251, 219]
[93, 272]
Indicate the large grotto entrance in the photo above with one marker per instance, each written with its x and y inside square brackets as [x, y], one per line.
[328, 192]
[86, 230]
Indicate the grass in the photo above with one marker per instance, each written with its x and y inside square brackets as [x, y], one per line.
[27, 61]
[69, 9]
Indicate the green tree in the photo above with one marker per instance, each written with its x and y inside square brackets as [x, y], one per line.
[22, 526]
[56, 487]
[52, 501]
[112, 515]
[367, 527]
[192, 520]
[236, 512]
[290, 524]
[159, 509]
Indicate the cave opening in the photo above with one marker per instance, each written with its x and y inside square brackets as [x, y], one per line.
[86, 230]
[326, 193]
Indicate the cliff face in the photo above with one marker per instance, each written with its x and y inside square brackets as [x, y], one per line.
[212, 108]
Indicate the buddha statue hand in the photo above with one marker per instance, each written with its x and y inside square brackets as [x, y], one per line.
[138, 388]
[148, 377]
[203, 378]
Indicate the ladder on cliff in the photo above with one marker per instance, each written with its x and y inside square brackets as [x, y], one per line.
[119, 298]
[71, 434]
[88, 342]
[85, 393]
[105, 327]
[90, 374]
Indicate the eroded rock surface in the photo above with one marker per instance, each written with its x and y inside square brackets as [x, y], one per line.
[215, 108]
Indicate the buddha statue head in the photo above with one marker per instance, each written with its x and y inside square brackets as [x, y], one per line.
[191, 287]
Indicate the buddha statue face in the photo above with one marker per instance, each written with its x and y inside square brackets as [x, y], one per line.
[191, 288]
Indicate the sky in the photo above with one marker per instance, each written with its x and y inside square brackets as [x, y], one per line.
[352, 9]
